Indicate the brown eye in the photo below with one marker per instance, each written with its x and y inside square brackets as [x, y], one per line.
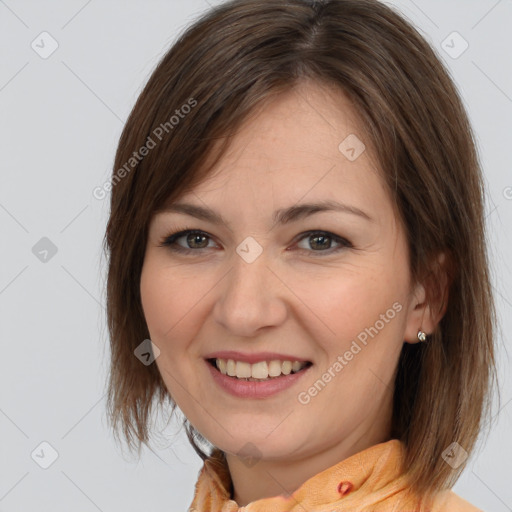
[321, 242]
[195, 241]
[196, 238]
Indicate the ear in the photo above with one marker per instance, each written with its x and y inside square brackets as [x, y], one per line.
[429, 300]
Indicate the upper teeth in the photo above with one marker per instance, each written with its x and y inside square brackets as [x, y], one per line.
[261, 370]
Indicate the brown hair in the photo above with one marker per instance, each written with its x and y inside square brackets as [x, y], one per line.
[231, 60]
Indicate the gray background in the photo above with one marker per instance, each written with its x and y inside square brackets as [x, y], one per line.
[61, 118]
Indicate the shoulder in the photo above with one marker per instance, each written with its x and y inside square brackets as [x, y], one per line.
[448, 501]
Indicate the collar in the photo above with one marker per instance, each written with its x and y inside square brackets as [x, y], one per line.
[370, 477]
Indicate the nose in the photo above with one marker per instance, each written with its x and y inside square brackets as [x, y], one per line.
[250, 298]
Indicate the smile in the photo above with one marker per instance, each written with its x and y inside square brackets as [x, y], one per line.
[243, 383]
[260, 371]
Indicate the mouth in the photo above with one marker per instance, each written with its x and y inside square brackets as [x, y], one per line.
[258, 372]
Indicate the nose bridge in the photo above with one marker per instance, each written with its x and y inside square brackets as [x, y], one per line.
[249, 279]
[249, 298]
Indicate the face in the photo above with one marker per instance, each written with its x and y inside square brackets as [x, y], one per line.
[328, 287]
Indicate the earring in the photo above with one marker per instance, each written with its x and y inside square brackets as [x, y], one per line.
[422, 336]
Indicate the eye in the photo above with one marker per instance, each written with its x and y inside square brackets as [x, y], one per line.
[321, 241]
[196, 240]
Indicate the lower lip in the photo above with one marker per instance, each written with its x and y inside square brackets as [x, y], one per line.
[252, 389]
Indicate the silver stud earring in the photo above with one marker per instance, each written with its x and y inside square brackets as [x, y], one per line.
[422, 336]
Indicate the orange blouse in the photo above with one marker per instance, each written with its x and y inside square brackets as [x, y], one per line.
[369, 481]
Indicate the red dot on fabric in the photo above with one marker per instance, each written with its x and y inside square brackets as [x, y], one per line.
[344, 487]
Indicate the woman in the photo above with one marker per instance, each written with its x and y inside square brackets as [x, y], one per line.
[297, 257]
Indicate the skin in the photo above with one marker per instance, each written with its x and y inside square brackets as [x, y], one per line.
[301, 296]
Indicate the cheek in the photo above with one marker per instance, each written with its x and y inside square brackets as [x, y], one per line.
[163, 308]
[350, 301]
[159, 300]
[171, 302]
[150, 296]
[363, 312]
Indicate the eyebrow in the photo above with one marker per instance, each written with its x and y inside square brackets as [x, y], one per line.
[281, 216]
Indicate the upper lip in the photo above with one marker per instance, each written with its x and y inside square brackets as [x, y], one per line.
[253, 358]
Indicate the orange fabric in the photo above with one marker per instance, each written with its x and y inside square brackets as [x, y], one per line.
[369, 481]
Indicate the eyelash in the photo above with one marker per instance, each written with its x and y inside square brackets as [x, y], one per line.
[170, 241]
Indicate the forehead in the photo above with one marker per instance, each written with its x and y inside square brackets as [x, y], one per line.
[305, 145]
[299, 134]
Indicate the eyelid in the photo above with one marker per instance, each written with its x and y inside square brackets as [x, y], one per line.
[336, 238]
[169, 241]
